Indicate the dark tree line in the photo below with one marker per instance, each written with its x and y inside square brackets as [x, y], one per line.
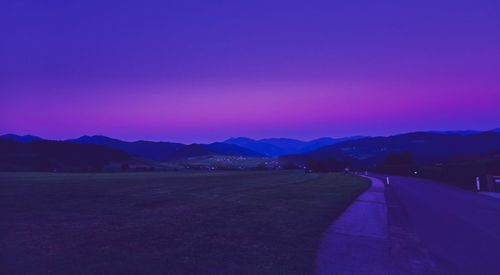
[325, 165]
[56, 156]
[400, 163]
[457, 171]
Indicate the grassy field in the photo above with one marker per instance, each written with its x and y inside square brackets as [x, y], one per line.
[168, 222]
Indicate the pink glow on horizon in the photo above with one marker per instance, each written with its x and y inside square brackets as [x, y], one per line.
[212, 112]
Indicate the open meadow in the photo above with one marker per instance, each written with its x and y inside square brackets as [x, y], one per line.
[266, 222]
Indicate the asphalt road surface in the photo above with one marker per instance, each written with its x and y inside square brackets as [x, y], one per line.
[439, 229]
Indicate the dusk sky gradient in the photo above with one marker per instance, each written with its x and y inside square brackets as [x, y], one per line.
[201, 71]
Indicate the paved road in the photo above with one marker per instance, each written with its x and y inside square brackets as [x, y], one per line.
[358, 241]
[436, 228]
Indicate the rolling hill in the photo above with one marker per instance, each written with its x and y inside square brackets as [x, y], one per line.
[45, 155]
[287, 145]
[25, 138]
[158, 151]
[256, 146]
[231, 150]
[427, 147]
[275, 147]
[165, 151]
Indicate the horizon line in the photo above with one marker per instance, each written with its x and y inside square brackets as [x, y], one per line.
[252, 138]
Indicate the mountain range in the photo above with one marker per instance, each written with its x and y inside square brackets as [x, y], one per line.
[165, 151]
[274, 147]
[427, 147]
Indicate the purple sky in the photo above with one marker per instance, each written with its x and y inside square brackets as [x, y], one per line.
[199, 71]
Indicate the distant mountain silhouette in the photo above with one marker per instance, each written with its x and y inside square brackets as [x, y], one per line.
[427, 148]
[231, 149]
[457, 132]
[464, 132]
[159, 151]
[322, 142]
[44, 155]
[287, 145]
[256, 146]
[26, 138]
[163, 151]
[275, 147]
[192, 150]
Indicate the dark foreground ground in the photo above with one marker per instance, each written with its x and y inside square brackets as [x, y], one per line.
[174, 223]
[440, 229]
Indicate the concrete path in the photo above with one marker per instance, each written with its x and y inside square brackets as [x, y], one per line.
[416, 226]
[358, 241]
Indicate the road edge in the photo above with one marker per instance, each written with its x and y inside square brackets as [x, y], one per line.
[358, 242]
